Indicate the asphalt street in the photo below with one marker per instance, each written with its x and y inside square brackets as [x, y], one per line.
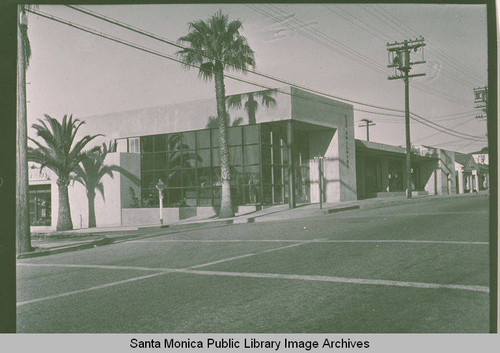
[414, 267]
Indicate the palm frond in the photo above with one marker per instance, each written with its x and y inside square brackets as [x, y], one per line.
[234, 101]
[237, 122]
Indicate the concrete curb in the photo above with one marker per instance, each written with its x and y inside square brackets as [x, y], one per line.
[341, 209]
[62, 249]
[200, 224]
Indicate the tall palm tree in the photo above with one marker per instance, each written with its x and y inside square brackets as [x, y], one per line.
[251, 104]
[213, 122]
[23, 236]
[61, 154]
[90, 172]
[215, 45]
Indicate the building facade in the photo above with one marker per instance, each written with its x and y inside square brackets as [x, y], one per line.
[300, 149]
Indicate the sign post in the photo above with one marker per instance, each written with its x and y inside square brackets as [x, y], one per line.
[160, 187]
[320, 179]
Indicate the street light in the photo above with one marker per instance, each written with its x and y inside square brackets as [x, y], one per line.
[320, 158]
[160, 187]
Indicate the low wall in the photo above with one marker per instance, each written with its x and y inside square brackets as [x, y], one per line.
[146, 216]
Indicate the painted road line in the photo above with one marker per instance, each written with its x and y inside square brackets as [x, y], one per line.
[246, 255]
[89, 289]
[382, 215]
[163, 271]
[451, 242]
[101, 267]
[343, 280]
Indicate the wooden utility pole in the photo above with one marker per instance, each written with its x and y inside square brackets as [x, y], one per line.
[23, 236]
[400, 60]
[367, 124]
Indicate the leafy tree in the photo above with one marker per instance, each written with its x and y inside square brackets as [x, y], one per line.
[90, 172]
[251, 103]
[215, 45]
[61, 154]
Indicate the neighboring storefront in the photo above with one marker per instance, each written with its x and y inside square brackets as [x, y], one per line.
[381, 170]
[40, 196]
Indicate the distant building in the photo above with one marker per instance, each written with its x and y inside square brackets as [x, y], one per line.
[471, 175]
[481, 157]
[272, 162]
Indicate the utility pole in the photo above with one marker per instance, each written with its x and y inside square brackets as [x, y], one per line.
[400, 60]
[481, 102]
[23, 236]
[367, 124]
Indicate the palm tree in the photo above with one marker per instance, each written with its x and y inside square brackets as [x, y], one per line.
[213, 122]
[61, 154]
[90, 172]
[251, 104]
[23, 236]
[215, 45]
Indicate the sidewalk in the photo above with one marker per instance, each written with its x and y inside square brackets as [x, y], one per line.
[58, 242]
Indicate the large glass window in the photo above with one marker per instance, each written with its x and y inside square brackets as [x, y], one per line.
[274, 163]
[40, 205]
[235, 137]
[189, 165]
[203, 139]
[160, 142]
[251, 134]
[188, 138]
[147, 144]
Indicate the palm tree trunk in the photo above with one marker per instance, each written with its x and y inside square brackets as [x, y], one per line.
[226, 207]
[91, 198]
[64, 214]
[23, 234]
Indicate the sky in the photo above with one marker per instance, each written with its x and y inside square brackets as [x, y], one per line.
[338, 49]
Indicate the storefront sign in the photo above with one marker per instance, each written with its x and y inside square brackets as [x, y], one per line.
[37, 175]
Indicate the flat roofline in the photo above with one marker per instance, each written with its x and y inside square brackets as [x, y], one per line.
[387, 150]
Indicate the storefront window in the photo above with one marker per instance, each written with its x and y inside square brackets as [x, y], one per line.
[189, 165]
[160, 143]
[235, 137]
[251, 134]
[188, 139]
[203, 139]
[40, 205]
[147, 144]
[251, 154]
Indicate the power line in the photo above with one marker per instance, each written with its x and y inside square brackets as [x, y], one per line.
[451, 60]
[162, 39]
[356, 24]
[170, 57]
[435, 134]
[360, 58]
[170, 42]
[400, 28]
[443, 127]
[344, 50]
[166, 56]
